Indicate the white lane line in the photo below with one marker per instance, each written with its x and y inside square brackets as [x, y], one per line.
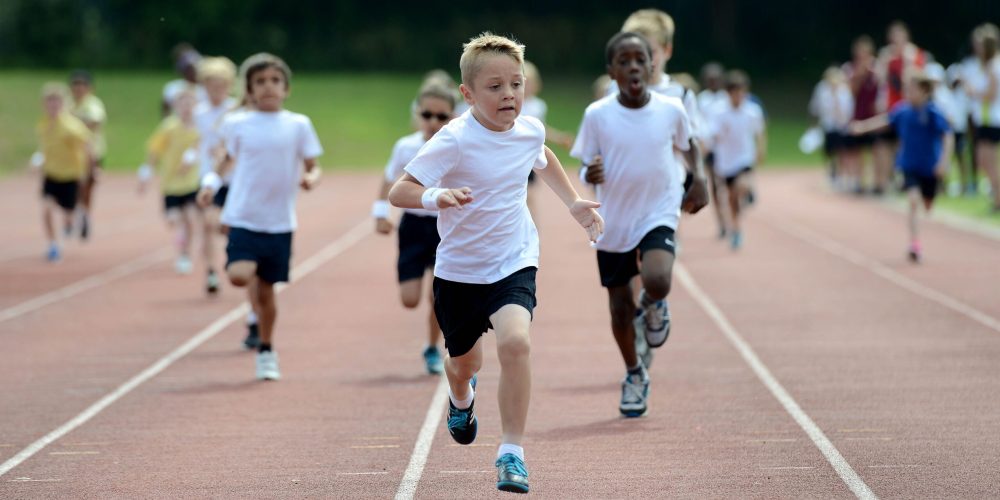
[422, 448]
[335, 248]
[883, 271]
[379, 473]
[833, 456]
[85, 284]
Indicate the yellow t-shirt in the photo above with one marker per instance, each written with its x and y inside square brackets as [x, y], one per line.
[169, 143]
[63, 140]
[91, 111]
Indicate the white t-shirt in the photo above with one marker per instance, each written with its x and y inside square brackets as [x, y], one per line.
[952, 107]
[403, 152]
[534, 107]
[833, 106]
[707, 98]
[268, 150]
[984, 113]
[494, 236]
[670, 88]
[733, 132]
[643, 186]
[174, 87]
[208, 119]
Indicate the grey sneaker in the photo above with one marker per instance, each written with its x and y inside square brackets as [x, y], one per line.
[267, 366]
[635, 391]
[657, 323]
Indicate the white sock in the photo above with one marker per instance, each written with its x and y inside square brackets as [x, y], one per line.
[251, 318]
[512, 449]
[465, 403]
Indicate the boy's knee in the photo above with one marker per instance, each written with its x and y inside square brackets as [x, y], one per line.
[657, 284]
[514, 347]
[241, 273]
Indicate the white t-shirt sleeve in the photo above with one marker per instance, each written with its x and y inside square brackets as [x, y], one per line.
[682, 132]
[585, 147]
[435, 159]
[309, 146]
[758, 120]
[394, 168]
[227, 130]
[695, 122]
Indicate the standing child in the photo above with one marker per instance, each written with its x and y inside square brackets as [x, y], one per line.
[267, 148]
[833, 105]
[173, 152]
[738, 136]
[418, 235]
[925, 147]
[63, 155]
[89, 109]
[488, 256]
[640, 186]
[216, 74]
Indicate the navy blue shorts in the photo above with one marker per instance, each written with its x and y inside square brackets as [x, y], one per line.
[219, 199]
[464, 309]
[928, 184]
[271, 251]
[617, 269]
[63, 193]
[418, 242]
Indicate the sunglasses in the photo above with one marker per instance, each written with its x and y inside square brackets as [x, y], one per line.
[441, 117]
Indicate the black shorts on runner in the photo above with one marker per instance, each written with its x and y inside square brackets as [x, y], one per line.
[64, 193]
[928, 185]
[464, 309]
[987, 134]
[618, 269]
[271, 251]
[171, 201]
[418, 242]
[219, 199]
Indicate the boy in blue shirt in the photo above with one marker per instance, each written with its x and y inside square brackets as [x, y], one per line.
[926, 143]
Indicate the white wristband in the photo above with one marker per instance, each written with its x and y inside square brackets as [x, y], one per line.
[145, 172]
[380, 209]
[430, 198]
[37, 160]
[190, 156]
[212, 181]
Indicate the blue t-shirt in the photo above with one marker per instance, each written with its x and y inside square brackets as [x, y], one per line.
[920, 131]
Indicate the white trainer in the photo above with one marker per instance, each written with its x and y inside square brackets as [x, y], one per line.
[267, 366]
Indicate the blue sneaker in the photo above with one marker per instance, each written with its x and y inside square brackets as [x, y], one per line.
[432, 357]
[512, 476]
[656, 317]
[737, 240]
[635, 391]
[462, 424]
[642, 349]
[53, 255]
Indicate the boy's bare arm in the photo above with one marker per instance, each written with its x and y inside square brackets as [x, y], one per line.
[877, 122]
[584, 211]
[408, 192]
[761, 139]
[213, 180]
[380, 209]
[948, 147]
[696, 197]
[312, 174]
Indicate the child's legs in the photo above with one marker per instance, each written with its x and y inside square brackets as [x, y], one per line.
[210, 224]
[410, 291]
[986, 152]
[48, 207]
[735, 200]
[512, 324]
[913, 196]
[267, 309]
[621, 301]
[433, 328]
[714, 190]
[460, 370]
[657, 271]
[242, 272]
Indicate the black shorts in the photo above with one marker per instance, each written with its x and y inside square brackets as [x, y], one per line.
[731, 179]
[219, 199]
[464, 309]
[418, 242]
[710, 160]
[928, 185]
[987, 134]
[833, 142]
[171, 201]
[618, 269]
[271, 251]
[531, 177]
[889, 135]
[959, 143]
[860, 141]
[64, 193]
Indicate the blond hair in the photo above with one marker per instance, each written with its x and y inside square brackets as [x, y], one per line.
[216, 67]
[487, 44]
[436, 90]
[55, 89]
[653, 24]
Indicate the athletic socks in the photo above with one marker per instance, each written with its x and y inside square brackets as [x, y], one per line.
[251, 318]
[264, 348]
[513, 449]
[638, 369]
[465, 403]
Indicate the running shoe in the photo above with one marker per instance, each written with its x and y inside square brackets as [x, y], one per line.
[183, 265]
[53, 255]
[656, 319]
[267, 366]
[737, 240]
[635, 391]
[642, 349]
[462, 424]
[252, 341]
[433, 360]
[512, 475]
[84, 227]
[914, 253]
[212, 283]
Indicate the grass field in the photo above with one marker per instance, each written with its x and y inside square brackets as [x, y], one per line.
[358, 116]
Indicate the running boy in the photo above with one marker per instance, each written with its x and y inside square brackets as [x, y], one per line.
[925, 148]
[173, 152]
[64, 154]
[640, 186]
[267, 148]
[418, 235]
[90, 110]
[486, 262]
[738, 136]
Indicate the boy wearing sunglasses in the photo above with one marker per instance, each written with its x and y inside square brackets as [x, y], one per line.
[418, 235]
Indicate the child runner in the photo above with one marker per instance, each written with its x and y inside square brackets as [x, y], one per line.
[216, 74]
[173, 153]
[925, 148]
[89, 109]
[186, 64]
[640, 187]
[738, 136]
[64, 154]
[418, 234]
[860, 72]
[267, 148]
[486, 262]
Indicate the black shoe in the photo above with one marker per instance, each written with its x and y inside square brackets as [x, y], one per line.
[253, 337]
[212, 283]
[84, 227]
[512, 475]
[462, 424]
